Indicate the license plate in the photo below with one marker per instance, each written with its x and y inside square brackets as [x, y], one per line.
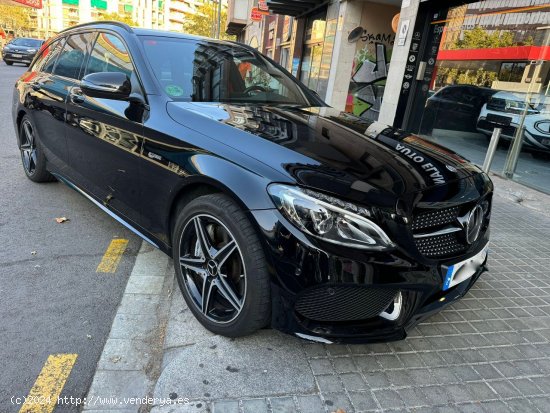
[464, 270]
[17, 55]
[499, 119]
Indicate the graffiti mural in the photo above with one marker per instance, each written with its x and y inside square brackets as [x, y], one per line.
[368, 80]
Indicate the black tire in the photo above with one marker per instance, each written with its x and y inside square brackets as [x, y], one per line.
[254, 300]
[32, 155]
[8, 63]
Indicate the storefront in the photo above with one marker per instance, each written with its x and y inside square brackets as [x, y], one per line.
[480, 66]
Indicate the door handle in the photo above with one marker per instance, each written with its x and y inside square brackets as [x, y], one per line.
[36, 86]
[76, 95]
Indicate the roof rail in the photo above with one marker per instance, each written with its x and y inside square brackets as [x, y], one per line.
[116, 23]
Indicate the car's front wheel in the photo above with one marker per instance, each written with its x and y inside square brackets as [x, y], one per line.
[220, 266]
[8, 62]
[32, 155]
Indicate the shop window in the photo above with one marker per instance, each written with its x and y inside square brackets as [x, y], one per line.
[511, 71]
[285, 57]
[315, 27]
[481, 78]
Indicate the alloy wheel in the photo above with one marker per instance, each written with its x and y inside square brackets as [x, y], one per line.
[28, 148]
[213, 268]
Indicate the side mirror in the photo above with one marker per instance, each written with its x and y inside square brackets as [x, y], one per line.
[107, 85]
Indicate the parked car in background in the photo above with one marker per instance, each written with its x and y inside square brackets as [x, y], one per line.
[455, 107]
[505, 110]
[277, 209]
[21, 50]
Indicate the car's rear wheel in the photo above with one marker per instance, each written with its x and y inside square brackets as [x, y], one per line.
[32, 155]
[220, 266]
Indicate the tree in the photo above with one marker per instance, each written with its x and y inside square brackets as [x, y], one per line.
[205, 20]
[16, 19]
[123, 18]
[479, 38]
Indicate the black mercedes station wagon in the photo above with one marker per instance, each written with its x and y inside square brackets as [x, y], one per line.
[277, 209]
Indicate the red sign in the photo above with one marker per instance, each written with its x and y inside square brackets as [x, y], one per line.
[256, 14]
[36, 4]
[262, 5]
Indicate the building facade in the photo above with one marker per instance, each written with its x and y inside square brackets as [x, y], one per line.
[56, 15]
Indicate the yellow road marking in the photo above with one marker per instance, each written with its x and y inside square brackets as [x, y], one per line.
[112, 256]
[43, 396]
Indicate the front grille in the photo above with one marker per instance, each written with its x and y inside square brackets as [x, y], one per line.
[435, 218]
[431, 221]
[344, 303]
[428, 228]
[440, 245]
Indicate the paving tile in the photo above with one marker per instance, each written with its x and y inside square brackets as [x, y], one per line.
[363, 401]
[309, 404]
[283, 405]
[255, 406]
[329, 383]
[389, 399]
[335, 401]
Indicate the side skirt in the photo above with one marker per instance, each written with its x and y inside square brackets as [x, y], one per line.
[107, 210]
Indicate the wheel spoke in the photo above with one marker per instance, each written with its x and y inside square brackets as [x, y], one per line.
[202, 237]
[26, 159]
[206, 294]
[193, 264]
[32, 159]
[28, 133]
[227, 292]
[223, 253]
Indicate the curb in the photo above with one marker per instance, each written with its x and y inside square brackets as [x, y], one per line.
[130, 362]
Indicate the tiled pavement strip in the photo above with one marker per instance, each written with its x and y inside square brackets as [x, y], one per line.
[489, 352]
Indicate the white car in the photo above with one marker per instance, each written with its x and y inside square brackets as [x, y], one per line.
[505, 109]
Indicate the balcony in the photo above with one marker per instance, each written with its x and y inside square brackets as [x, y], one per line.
[237, 16]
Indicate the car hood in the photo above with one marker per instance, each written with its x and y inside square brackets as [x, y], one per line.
[327, 149]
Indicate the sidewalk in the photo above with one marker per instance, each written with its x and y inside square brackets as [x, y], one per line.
[489, 352]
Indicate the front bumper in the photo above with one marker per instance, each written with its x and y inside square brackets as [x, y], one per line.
[18, 57]
[329, 293]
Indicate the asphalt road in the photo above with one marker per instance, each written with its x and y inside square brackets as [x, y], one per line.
[52, 301]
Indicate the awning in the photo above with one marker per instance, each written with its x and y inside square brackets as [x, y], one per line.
[293, 7]
[498, 53]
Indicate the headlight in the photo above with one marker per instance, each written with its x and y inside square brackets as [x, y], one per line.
[328, 218]
[31, 50]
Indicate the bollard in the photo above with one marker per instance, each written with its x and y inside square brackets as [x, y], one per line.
[513, 153]
[491, 150]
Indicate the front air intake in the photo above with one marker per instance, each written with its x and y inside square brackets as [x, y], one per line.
[331, 303]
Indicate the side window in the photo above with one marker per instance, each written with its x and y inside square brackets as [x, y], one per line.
[73, 54]
[52, 52]
[109, 55]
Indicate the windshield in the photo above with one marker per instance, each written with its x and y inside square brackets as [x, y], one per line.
[26, 42]
[203, 71]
